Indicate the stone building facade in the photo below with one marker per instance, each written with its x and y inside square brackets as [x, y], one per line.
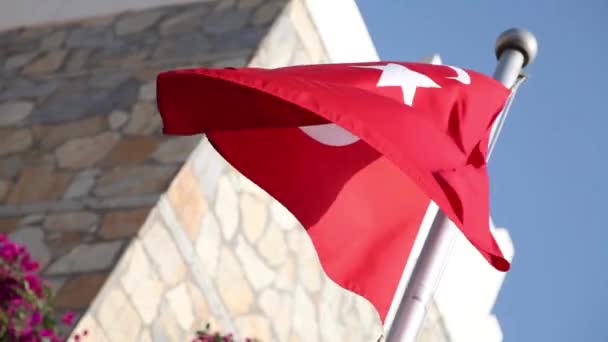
[149, 237]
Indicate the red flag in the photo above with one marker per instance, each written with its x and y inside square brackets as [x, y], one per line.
[354, 151]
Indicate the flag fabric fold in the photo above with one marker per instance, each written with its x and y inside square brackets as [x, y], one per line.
[354, 151]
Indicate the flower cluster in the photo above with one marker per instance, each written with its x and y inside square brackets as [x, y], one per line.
[207, 336]
[26, 313]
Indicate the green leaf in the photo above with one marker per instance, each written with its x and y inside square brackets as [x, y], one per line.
[48, 321]
[3, 324]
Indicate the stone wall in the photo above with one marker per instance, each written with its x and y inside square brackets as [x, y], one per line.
[82, 159]
[231, 255]
[143, 238]
[433, 329]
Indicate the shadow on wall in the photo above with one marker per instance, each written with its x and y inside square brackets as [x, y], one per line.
[82, 156]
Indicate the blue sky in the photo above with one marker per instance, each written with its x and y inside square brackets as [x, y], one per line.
[549, 167]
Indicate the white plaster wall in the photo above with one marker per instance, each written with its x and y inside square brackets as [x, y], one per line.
[468, 291]
[346, 39]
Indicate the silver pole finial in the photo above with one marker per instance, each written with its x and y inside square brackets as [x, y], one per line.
[518, 39]
[515, 48]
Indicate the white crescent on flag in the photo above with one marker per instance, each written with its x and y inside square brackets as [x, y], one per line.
[461, 75]
[330, 134]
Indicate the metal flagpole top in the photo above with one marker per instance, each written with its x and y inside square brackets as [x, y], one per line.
[515, 48]
[518, 39]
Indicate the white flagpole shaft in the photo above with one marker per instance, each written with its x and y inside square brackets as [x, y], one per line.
[515, 48]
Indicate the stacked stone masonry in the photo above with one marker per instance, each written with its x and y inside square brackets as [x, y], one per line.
[149, 237]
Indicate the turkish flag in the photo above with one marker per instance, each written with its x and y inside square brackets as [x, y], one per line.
[354, 151]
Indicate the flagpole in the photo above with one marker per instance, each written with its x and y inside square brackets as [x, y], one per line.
[515, 48]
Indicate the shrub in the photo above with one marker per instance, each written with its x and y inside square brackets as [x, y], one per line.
[26, 310]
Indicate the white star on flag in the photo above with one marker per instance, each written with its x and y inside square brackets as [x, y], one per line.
[397, 75]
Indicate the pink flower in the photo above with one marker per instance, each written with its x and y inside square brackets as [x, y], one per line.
[47, 333]
[50, 334]
[68, 318]
[9, 251]
[29, 265]
[26, 334]
[35, 318]
[18, 273]
[34, 283]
